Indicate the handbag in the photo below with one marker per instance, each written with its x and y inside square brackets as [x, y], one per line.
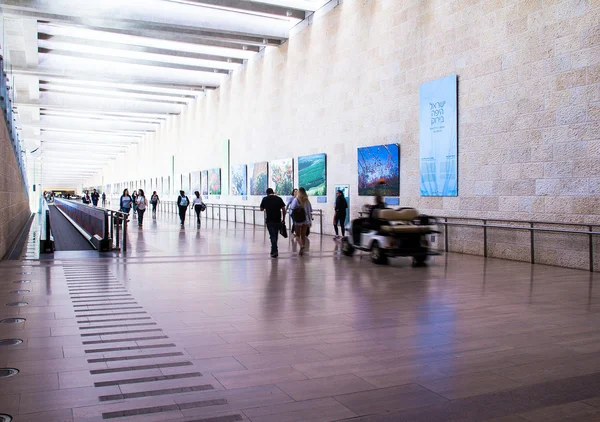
[283, 231]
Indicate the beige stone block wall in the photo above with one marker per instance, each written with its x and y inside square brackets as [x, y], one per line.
[14, 203]
[529, 110]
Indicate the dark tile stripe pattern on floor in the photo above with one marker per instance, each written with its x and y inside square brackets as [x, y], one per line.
[101, 293]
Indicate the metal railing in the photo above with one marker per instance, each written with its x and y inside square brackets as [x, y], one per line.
[232, 209]
[6, 105]
[485, 224]
[117, 221]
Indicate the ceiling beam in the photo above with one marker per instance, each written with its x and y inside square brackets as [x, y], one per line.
[99, 77]
[49, 84]
[84, 108]
[146, 29]
[250, 7]
[99, 95]
[137, 48]
[127, 60]
[99, 118]
[116, 132]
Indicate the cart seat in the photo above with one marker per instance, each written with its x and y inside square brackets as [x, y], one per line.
[407, 214]
[407, 228]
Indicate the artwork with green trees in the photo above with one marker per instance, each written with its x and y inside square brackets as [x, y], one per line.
[312, 174]
[258, 175]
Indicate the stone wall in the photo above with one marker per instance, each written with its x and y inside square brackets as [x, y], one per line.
[14, 203]
[529, 110]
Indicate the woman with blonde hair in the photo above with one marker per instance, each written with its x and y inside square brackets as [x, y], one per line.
[302, 216]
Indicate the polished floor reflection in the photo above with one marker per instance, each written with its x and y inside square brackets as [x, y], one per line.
[201, 325]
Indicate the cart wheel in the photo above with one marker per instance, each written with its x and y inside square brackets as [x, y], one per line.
[377, 255]
[419, 260]
[347, 248]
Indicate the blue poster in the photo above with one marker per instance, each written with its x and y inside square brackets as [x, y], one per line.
[439, 137]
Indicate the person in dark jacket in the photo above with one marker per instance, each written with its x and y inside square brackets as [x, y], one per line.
[95, 197]
[183, 202]
[341, 207]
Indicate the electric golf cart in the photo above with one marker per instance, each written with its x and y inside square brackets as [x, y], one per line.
[389, 233]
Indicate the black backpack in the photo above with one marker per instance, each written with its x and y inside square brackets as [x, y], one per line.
[299, 214]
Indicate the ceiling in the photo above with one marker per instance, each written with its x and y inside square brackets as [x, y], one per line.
[90, 79]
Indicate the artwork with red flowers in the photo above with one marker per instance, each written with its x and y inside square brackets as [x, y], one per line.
[282, 176]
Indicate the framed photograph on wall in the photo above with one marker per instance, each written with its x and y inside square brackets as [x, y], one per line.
[214, 181]
[379, 170]
[196, 183]
[239, 180]
[258, 177]
[204, 182]
[282, 176]
[312, 174]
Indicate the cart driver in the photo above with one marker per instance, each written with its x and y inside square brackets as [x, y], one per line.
[379, 205]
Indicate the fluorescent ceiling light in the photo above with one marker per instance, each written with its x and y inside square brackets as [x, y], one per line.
[122, 71]
[87, 49]
[92, 34]
[106, 92]
[119, 85]
[98, 133]
[96, 116]
[293, 21]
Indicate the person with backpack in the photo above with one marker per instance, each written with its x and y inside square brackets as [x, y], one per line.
[183, 202]
[340, 213]
[86, 198]
[302, 216]
[275, 210]
[141, 203]
[154, 200]
[199, 206]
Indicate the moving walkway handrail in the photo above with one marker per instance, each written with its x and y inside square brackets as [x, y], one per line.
[46, 238]
[111, 219]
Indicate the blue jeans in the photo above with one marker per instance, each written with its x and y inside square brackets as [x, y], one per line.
[273, 229]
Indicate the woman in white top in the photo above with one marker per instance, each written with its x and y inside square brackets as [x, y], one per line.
[198, 206]
[141, 203]
[302, 216]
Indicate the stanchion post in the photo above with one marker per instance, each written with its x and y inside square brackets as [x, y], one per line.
[321, 220]
[446, 234]
[117, 239]
[485, 249]
[532, 238]
[591, 248]
[125, 221]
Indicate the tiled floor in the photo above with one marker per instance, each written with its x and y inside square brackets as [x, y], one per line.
[200, 325]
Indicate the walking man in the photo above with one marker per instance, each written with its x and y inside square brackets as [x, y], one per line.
[104, 199]
[275, 208]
